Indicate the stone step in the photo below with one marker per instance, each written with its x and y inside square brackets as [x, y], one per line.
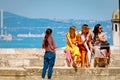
[27, 57]
[7, 61]
[34, 57]
[60, 73]
[28, 62]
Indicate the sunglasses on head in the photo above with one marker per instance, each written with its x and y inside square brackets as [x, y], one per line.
[100, 28]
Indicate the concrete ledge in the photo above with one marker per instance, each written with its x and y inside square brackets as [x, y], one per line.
[60, 73]
[22, 57]
[12, 72]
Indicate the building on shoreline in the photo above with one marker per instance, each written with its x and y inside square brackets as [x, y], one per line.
[116, 28]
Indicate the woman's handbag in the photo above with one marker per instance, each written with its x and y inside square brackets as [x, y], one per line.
[104, 45]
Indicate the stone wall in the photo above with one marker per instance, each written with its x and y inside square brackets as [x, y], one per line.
[25, 57]
[20, 57]
[26, 64]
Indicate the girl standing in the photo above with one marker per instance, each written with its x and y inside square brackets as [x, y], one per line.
[50, 55]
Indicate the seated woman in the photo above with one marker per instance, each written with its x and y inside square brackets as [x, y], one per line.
[85, 46]
[99, 37]
[72, 47]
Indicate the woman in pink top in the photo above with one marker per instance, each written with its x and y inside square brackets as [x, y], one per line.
[50, 55]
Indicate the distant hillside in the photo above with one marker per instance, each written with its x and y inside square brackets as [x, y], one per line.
[15, 24]
[13, 20]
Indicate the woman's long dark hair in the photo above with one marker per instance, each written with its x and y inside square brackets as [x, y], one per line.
[95, 31]
[47, 32]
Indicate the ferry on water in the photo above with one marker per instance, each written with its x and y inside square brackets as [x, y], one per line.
[31, 35]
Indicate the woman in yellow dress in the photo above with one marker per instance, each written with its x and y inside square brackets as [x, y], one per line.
[72, 46]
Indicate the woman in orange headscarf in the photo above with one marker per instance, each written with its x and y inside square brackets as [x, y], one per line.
[72, 46]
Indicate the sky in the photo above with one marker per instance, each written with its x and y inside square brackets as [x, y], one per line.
[62, 9]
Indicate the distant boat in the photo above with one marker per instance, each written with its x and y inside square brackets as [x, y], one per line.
[3, 31]
[6, 37]
[31, 35]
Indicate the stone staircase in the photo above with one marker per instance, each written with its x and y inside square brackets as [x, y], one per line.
[26, 64]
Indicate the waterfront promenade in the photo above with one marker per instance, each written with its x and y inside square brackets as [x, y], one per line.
[26, 64]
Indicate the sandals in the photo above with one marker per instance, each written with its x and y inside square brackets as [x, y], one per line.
[75, 66]
[97, 65]
[106, 65]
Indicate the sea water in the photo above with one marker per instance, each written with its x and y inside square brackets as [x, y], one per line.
[36, 42]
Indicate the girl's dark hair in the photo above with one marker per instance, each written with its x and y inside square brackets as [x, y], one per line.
[95, 31]
[47, 32]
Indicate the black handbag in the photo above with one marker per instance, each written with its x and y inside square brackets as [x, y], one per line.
[104, 45]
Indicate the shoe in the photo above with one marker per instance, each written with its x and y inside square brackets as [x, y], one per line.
[106, 65]
[87, 66]
[97, 65]
[75, 66]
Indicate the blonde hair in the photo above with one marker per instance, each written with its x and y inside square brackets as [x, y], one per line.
[72, 31]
